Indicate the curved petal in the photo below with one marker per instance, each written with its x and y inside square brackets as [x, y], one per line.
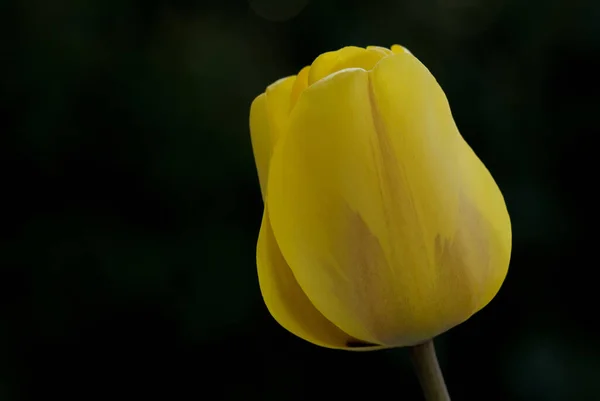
[261, 140]
[285, 300]
[472, 253]
[288, 304]
[300, 85]
[321, 167]
[384, 51]
[369, 207]
[397, 49]
[269, 115]
[487, 224]
[347, 57]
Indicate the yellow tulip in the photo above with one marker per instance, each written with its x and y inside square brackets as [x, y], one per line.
[381, 227]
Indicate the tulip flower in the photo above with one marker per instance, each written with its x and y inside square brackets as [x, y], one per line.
[381, 227]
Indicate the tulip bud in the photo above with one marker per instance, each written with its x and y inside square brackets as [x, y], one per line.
[381, 227]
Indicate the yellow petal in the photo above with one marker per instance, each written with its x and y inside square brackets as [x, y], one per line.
[476, 254]
[300, 84]
[370, 209]
[347, 57]
[382, 50]
[261, 140]
[269, 114]
[288, 304]
[397, 49]
[488, 211]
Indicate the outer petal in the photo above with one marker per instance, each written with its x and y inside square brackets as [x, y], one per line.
[282, 294]
[370, 209]
[288, 304]
[269, 115]
[478, 252]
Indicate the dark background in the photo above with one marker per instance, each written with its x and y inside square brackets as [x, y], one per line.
[132, 205]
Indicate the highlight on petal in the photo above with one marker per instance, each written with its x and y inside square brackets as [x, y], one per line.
[384, 51]
[369, 207]
[288, 304]
[269, 115]
[347, 57]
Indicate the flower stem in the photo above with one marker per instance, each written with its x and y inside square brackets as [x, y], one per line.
[429, 372]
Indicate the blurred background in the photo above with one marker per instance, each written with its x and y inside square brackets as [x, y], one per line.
[132, 204]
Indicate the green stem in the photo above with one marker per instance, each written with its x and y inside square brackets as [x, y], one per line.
[429, 372]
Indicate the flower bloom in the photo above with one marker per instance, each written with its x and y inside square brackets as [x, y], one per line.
[381, 227]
